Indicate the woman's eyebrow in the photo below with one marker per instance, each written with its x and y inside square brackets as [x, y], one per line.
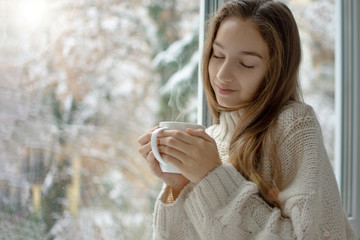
[251, 53]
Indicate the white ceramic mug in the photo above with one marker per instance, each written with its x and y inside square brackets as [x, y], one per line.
[181, 126]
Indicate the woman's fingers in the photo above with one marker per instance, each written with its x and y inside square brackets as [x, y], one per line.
[180, 140]
[176, 134]
[144, 142]
[172, 155]
[146, 137]
[172, 143]
[193, 152]
[153, 164]
[174, 180]
[200, 133]
[182, 145]
[144, 150]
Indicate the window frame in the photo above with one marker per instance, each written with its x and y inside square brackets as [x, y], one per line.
[347, 90]
[207, 7]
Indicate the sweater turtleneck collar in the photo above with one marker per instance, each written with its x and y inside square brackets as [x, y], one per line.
[227, 123]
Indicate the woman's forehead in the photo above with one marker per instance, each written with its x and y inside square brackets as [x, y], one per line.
[239, 35]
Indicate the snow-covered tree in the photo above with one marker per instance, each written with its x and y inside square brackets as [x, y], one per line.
[89, 96]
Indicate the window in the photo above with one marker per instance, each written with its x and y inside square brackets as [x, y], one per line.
[79, 84]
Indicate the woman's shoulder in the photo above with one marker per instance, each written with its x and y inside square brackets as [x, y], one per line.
[296, 111]
[297, 116]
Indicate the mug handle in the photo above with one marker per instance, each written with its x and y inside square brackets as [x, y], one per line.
[154, 145]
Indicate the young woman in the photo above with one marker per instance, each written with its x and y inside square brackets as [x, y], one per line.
[261, 171]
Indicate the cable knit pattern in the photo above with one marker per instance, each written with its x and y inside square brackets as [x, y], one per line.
[224, 205]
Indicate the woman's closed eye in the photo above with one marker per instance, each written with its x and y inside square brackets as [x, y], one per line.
[247, 65]
[217, 56]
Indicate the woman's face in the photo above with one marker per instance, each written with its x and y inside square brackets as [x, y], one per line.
[238, 64]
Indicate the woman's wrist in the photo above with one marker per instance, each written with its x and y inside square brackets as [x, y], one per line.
[175, 193]
[172, 194]
[170, 197]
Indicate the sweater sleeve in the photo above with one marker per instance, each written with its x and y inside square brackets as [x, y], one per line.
[224, 205]
[170, 220]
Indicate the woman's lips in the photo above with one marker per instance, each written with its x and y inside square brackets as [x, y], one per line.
[224, 91]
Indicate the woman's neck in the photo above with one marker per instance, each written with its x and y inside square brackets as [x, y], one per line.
[227, 123]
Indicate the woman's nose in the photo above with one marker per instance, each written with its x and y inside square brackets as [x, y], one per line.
[225, 72]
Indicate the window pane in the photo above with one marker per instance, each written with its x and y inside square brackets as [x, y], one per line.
[316, 22]
[81, 81]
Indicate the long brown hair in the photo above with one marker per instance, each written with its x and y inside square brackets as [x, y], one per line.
[254, 138]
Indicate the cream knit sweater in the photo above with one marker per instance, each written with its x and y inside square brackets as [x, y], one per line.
[224, 205]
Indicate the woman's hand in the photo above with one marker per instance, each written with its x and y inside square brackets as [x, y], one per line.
[194, 153]
[174, 180]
